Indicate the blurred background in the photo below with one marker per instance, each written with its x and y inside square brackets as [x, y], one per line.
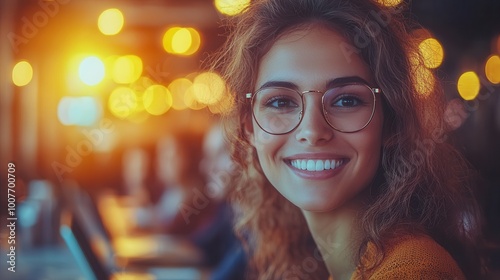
[91, 93]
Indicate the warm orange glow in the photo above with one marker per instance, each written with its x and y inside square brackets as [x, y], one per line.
[110, 22]
[468, 85]
[157, 100]
[492, 69]
[432, 52]
[22, 73]
[231, 7]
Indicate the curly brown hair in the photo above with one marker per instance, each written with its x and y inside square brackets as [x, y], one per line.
[423, 184]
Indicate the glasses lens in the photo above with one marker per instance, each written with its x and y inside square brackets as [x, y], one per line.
[277, 110]
[349, 108]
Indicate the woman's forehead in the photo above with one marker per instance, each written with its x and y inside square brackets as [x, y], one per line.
[313, 52]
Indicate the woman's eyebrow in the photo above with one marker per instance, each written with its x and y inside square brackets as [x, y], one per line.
[346, 80]
[284, 84]
[331, 83]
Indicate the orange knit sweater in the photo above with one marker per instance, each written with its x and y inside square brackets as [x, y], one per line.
[416, 257]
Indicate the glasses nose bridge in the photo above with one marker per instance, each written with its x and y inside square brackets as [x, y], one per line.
[302, 95]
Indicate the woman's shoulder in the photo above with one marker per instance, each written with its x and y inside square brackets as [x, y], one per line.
[412, 257]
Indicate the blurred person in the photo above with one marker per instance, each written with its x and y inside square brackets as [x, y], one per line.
[135, 165]
[183, 207]
[217, 166]
[343, 168]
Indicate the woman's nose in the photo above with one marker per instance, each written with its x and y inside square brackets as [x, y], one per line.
[313, 128]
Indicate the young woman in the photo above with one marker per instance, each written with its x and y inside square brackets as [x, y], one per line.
[344, 168]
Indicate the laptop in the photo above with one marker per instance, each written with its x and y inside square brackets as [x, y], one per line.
[90, 243]
[95, 267]
[138, 249]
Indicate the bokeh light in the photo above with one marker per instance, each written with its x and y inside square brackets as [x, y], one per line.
[208, 88]
[389, 3]
[224, 106]
[91, 70]
[80, 111]
[425, 81]
[492, 69]
[22, 73]
[110, 21]
[127, 69]
[468, 85]
[122, 102]
[157, 100]
[181, 41]
[178, 89]
[432, 52]
[231, 7]
[191, 101]
[423, 77]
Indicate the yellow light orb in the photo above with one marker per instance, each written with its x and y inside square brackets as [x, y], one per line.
[122, 102]
[127, 69]
[208, 88]
[181, 41]
[389, 3]
[22, 73]
[468, 85]
[110, 22]
[492, 69]
[191, 101]
[195, 41]
[157, 100]
[91, 70]
[178, 89]
[432, 52]
[231, 7]
[425, 81]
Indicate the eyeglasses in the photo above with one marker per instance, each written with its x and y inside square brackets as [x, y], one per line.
[346, 108]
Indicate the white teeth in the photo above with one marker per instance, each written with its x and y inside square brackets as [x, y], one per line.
[303, 165]
[310, 165]
[319, 165]
[316, 165]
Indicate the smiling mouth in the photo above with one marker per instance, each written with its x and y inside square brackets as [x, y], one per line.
[316, 165]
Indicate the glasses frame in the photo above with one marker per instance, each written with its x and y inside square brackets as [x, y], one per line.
[373, 90]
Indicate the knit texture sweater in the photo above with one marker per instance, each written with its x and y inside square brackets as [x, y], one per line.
[415, 257]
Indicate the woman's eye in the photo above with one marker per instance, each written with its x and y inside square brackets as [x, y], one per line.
[281, 103]
[347, 101]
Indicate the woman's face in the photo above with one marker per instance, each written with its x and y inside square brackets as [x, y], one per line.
[310, 59]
